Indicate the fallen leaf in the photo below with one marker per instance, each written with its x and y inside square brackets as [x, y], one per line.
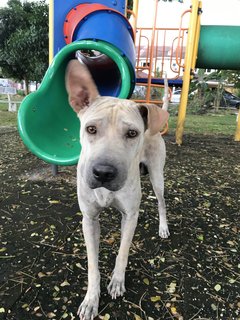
[39, 315]
[78, 265]
[214, 307]
[54, 201]
[232, 281]
[34, 234]
[36, 309]
[155, 299]
[151, 261]
[217, 287]
[146, 281]
[173, 310]
[200, 237]
[65, 283]
[41, 274]
[172, 287]
[109, 241]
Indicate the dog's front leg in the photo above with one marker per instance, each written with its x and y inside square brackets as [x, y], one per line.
[116, 287]
[91, 230]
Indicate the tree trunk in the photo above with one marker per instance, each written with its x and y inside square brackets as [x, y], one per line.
[26, 86]
[218, 97]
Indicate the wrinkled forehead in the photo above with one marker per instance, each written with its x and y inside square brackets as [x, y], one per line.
[113, 109]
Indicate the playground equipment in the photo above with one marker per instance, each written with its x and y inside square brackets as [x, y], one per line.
[207, 47]
[47, 124]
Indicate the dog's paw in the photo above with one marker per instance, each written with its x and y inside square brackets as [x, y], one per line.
[116, 287]
[88, 309]
[163, 231]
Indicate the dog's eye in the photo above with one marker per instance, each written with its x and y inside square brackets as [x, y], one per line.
[132, 134]
[91, 129]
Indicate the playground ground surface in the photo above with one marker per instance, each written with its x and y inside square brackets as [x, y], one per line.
[195, 274]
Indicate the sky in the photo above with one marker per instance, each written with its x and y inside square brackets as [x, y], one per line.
[215, 12]
[219, 12]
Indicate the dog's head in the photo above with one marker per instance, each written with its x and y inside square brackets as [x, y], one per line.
[112, 130]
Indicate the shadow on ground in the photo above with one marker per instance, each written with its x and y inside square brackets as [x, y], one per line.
[195, 274]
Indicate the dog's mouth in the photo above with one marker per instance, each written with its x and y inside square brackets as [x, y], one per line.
[108, 186]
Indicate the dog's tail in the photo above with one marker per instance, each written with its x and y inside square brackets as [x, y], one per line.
[165, 96]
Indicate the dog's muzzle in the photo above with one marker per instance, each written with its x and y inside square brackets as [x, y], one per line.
[105, 175]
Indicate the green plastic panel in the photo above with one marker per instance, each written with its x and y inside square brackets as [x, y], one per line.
[219, 48]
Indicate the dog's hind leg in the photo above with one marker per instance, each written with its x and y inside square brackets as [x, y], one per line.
[158, 187]
[155, 163]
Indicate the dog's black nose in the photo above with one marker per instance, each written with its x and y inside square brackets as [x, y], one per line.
[104, 173]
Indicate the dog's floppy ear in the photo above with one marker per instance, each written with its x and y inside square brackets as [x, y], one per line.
[154, 117]
[80, 86]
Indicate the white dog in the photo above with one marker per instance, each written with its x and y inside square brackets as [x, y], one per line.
[116, 136]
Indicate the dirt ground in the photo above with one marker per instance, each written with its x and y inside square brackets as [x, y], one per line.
[195, 274]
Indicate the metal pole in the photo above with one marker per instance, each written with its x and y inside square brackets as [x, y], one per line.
[237, 133]
[148, 95]
[187, 71]
[54, 169]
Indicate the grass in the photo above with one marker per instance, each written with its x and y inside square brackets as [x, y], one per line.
[209, 124]
[7, 119]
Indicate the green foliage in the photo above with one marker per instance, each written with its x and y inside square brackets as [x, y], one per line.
[230, 77]
[130, 2]
[24, 40]
[202, 97]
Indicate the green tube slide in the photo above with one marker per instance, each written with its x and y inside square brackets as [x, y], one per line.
[47, 124]
[219, 48]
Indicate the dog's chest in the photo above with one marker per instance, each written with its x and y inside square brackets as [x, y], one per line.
[104, 197]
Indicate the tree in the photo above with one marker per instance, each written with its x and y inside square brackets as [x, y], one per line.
[230, 76]
[24, 40]
[202, 96]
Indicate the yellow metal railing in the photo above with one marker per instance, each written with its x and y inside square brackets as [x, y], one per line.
[189, 63]
[237, 133]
